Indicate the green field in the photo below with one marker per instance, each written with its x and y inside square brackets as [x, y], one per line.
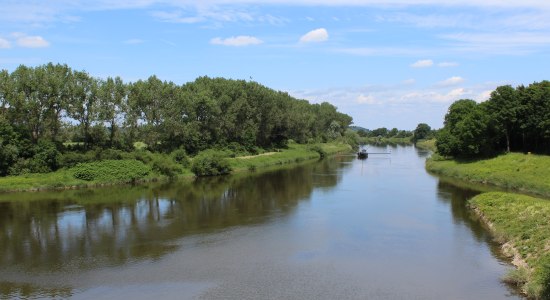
[522, 224]
[525, 173]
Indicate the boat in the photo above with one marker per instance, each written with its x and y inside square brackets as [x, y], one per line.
[362, 154]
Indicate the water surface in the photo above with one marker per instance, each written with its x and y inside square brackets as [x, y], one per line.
[342, 228]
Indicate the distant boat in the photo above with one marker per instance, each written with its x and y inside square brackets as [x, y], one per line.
[362, 154]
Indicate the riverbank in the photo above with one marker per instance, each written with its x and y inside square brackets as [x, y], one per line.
[525, 173]
[426, 144]
[65, 178]
[522, 225]
[383, 140]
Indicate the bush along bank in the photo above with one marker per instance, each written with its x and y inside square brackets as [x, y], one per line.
[522, 225]
[142, 166]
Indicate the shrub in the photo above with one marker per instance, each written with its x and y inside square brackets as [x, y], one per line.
[318, 149]
[144, 156]
[111, 170]
[46, 158]
[210, 163]
[180, 156]
[166, 166]
[110, 154]
[71, 159]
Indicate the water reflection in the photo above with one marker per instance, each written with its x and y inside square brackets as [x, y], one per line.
[388, 231]
[88, 228]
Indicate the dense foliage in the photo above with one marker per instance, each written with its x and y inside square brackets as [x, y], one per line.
[210, 163]
[51, 110]
[422, 131]
[511, 120]
[111, 170]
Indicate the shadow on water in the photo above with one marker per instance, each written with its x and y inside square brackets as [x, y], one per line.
[456, 194]
[91, 228]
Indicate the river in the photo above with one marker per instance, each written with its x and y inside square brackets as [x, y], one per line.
[341, 228]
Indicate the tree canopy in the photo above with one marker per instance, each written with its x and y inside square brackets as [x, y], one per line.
[512, 119]
[53, 104]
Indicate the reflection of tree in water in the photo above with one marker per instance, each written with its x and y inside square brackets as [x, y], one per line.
[29, 291]
[457, 194]
[423, 153]
[457, 198]
[327, 173]
[89, 228]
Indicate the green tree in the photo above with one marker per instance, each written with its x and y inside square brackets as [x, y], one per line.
[465, 131]
[112, 100]
[422, 131]
[84, 104]
[503, 108]
[9, 148]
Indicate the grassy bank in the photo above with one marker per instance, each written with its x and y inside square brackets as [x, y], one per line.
[522, 224]
[294, 153]
[519, 172]
[110, 172]
[426, 144]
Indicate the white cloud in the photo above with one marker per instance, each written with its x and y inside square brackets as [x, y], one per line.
[362, 99]
[483, 96]
[447, 64]
[425, 63]
[451, 81]
[397, 105]
[30, 41]
[4, 44]
[432, 96]
[134, 41]
[317, 35]
[176, 17]
[238, 41]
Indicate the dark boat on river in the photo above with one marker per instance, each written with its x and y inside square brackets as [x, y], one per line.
[362, 154]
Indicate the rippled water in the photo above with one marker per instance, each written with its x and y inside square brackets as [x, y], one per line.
[342, 228]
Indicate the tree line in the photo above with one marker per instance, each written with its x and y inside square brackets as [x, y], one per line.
[44, 107]
[512, 119]
[382, 132]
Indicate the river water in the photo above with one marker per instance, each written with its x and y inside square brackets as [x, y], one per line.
[342, 228]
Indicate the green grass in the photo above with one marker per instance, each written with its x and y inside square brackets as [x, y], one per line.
[520, 172]
[426, 144]
[523, 222]
[294, 153]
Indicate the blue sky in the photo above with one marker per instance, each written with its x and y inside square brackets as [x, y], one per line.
[388, 64]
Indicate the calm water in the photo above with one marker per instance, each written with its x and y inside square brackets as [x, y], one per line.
[338, 229]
